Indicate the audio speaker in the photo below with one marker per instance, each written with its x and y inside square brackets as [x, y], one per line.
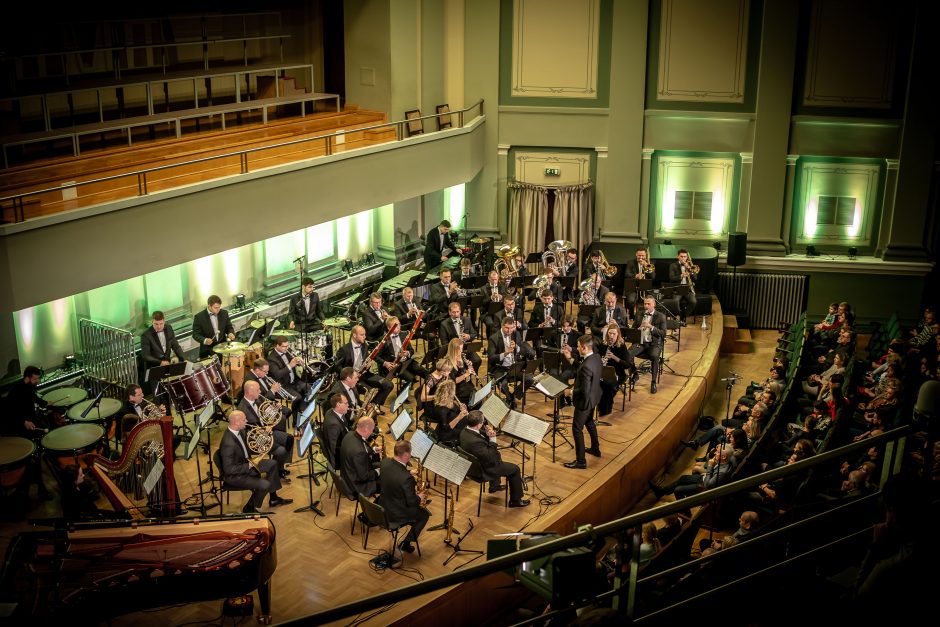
[737, 249]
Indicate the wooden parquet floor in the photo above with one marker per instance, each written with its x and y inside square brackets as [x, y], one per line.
[320, 565]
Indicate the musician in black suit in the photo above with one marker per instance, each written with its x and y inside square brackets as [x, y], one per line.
[607, 313]
[347, 385]
[158, 343]
[505, 348]
[356, 354]
[441, 294]
[21, 419]
[652, 326]
[548, 278]
[408, 367]
[436, 244]
[511, 310]
[356, 459]
[636, 269]
[238, 473]
[211, 326]
[259, 374]
[461, 327]
[406, 309]
[494, 290]
[593, 265]
[335, 427]
[565, 341]
[570, 268]
[282, 365]
[480, 441]
[680, 271]
[548, 313]
[373, 318]
[399, 497]
[283, 449]
[306, 310]
[585, 397]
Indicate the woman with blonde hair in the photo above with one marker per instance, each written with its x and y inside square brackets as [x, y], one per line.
[426, 397]
[449, 413]
[460, 369]
[613, 352]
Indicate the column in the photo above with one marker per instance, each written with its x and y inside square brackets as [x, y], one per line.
[887, 209]
[788, 198]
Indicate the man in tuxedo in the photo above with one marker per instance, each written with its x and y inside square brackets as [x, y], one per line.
[373, 318]
[609, 312]
[566, 343]
[259, 374]
[406, 309]
[510, 310]
[438, 245]
[592, 265]
[409, 367]
[547, 314]
[505, 348]
[680, 271]
[494, 290]
[282, 366]
[652, 326]
[356, 459]
[306, 311]
[585, 396]
[441, 294]
[571, 263]
[212, 326]
[335, 427]
[480, 441]
[402, 504]
[459, 326]
[158, 343]
[356, 354]
[635, 270]
[250, 405]
[238, 473]
[558, 292]
[346, 385]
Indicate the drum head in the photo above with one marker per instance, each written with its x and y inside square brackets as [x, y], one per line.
[64, 397]
[14, 450]
[105, 409]
[72, 437]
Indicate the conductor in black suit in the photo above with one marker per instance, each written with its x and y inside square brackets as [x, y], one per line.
[480, 441]
[238, 473]
[586, 395]
[608, 312]
[335, 427]
[211, 326]
[436, 244]
[652, 326]
[356, 459]
[399, 498]
[158, 343]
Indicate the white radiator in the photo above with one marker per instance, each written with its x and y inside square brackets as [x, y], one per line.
[767, 298]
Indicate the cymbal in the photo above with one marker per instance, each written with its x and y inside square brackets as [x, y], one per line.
[230, 348]
[481, 240]
[260, 322]
[507, 250]
[337, 321]
[287, 333]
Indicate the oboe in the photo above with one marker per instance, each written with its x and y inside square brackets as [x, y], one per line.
[472, 370]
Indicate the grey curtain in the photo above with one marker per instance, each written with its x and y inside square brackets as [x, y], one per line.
[528, 216]
[574, 215]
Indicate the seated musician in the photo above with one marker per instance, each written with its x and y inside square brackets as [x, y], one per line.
[448, 413]
[374, 317]
[441, 373]
[357, 459]
[356, 354]
[408, 367]
[306, 313]
[133, 405]
[462, 369]
[510, 309]
[465, 271]
[493, 291]
[250, 405]
[347, 384]
[609, 312]
[571, 263]
[480, 441]
[519, 265]
[237, 472]
[613, 352]
[400, 500]
[456, 325]
[635, 270]
[442, 294]
[212, 326]
[594, 265]
[505, 348]
[407, 308]
[548, 275]
[282, 367]
[652, 326]
[259, 373]
[335, 427]
[680, 271]
[594, 294]
[565, 342]
[158, 343]
[549, 313]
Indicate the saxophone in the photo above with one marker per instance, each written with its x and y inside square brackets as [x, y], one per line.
[449, 524]
[421, 485]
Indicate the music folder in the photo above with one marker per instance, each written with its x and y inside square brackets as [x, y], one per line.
[193, 442]
[205, 415]
[158, 373]
[479, 395]
[304, 417]
[549, 385]
[421, 443]
[525, 427]
[447, 463]
[305, 440]
[401, 398]
[400, 425]
[494, 410]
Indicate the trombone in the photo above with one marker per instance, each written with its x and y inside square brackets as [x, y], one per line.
[605, 267]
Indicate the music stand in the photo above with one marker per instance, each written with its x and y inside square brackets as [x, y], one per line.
[401, 398]
[478, 396]
[400, 425]
[494, 307]
[200, 421]
[553, 388]
[528, 430]
[517, 282]
[305, 441]
[534, 257]
[453, 466]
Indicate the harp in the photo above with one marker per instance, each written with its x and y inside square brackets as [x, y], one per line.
[141, 478]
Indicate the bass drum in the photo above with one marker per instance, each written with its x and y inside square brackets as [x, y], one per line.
[212, 379]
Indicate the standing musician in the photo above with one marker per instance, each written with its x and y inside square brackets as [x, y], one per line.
[442, 294]
[480, 441]
[211, 326]
[438, 245]
[585, 396]
[21, 419]
[566, 343]
[306, 313]
[282, 364]
[652, 326]
[680, 271]
[356, 354]
[461, 327]
[549, 313]
[347, 385]
[409, 367]
[356, 458]
[407, 309]
[610, 312]
[374, 317]
[400, 500]
[636, 269]
[238, 473]
[283, 450]
[448, 413]
[614, 354]
[335, 427]
[462, 370]
[506, 347]
[158, 343]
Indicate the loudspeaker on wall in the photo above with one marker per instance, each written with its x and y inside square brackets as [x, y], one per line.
[737, 249]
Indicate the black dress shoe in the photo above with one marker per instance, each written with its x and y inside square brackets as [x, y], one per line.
[406, 546]
[653, 388]
[249, 509]
[519, 503]
[701, 459]
[498, 488]
[284, 478]
[596, 452]
[658, 491]
[285, 472]
[576, 464]
[280, 501]
[689, 443]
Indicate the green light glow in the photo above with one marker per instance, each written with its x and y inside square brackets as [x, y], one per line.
[111, 304]
[203, 278]
[855, 227]
[669, 208]
[320, 243]
[455, 201]
[364, 231]
[809, 219]
[231, 269]
[280, 252]
[718, 210]
[164, 289]
[25, 330]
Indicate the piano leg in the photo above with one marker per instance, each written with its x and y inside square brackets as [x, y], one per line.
[264, 600]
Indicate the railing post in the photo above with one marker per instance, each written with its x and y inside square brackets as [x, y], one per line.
[399, 131]
[243, 161]
[329, 145]
[142, 183]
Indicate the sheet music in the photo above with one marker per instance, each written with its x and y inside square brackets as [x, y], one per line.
[525, 427]
[494, 410]
[549, 385]
[400, 425]
[304, 417]
[420, 444]
[151, 481]
[193, 442]
[205, 416]
[446, 463]
[305, 440]
[479, 395]
[401, 398]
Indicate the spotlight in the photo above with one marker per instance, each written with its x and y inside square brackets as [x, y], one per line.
[853, 252]
[811, 251]
[347, 265]
[240, 301]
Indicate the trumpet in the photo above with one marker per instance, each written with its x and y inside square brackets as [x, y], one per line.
[281, 392]
[646, 266]
[692, 267]
[303, 364]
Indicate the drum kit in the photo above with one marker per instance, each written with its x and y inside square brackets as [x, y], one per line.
[232, 355]
[205, 384]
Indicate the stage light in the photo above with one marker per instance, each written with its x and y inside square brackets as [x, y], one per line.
[811, 251]
[853, 252]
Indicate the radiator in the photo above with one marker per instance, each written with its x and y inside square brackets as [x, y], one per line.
[766, 298]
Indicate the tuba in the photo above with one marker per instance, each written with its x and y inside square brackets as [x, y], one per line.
[588, 293]
[505, 264]
[606, 268]
[559, 248]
